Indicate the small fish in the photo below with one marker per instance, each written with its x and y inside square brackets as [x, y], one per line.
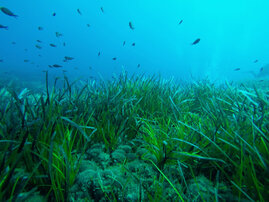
[1, 60]
[39, 55]
[114, 58]
[64, 44]
[196, 41]
[53, 14]
[180, 22]
[236, 69]
[55, 65]
[102, 9]
[13, 42]
[58, 34]
[40, 28]
[90, 67]
[131, 26]
[26, 60]
[124, 43]
[39, 41]
[37, 46]
[99, 53]
[88, 25]
[133, 44]
[79, 11]
[25, 49]
[255, 61]
[32, 63]
[138, 65]
[76, 68]
[68, 58]
[7, 12]
[52, 45]
[3, 27]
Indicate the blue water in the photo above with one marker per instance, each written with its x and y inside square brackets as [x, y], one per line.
[233, 34]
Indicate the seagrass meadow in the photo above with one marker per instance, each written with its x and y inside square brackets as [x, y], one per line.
[135, 138]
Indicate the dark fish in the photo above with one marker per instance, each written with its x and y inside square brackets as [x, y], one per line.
[88, 25]
[7, 12]
[13, 42]
[114, 58]
[53, 14]
[138, 65]
[90, 67]
[64, 71]
[180, 22]
[133, 44]
[25, 49]
[261, 69]
[76, 68]
[236, 69]
[39, 55]
[58, 34]
[1, 60]
[26, 60]
[99, 53]
[52, 45]
[255, 61]
[39, 41]
[102, 9]
[123, 43]
[55, 65]
[3, 27]
[131, 26]
[68, 58]
[40, 28]
[196, 41]
[37, 46]
[32, 63]
[79, 11]
[64, 44]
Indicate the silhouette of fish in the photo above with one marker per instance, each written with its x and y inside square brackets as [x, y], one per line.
[124, 43]
[196, 41]
[37, 46]
[53, 14]
[236, 69]
[114, 58]
[58, 34]
[3, 27]
[255, 61]
[133, 44]
[102, 9]
[7, 12]
[52, 45]
[180, 22]
[79, 11]
[55, 65]
[131, 26]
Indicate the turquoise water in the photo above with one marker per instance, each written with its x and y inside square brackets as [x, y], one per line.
[233, 34]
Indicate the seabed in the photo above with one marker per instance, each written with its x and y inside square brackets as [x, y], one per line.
[135, 139]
